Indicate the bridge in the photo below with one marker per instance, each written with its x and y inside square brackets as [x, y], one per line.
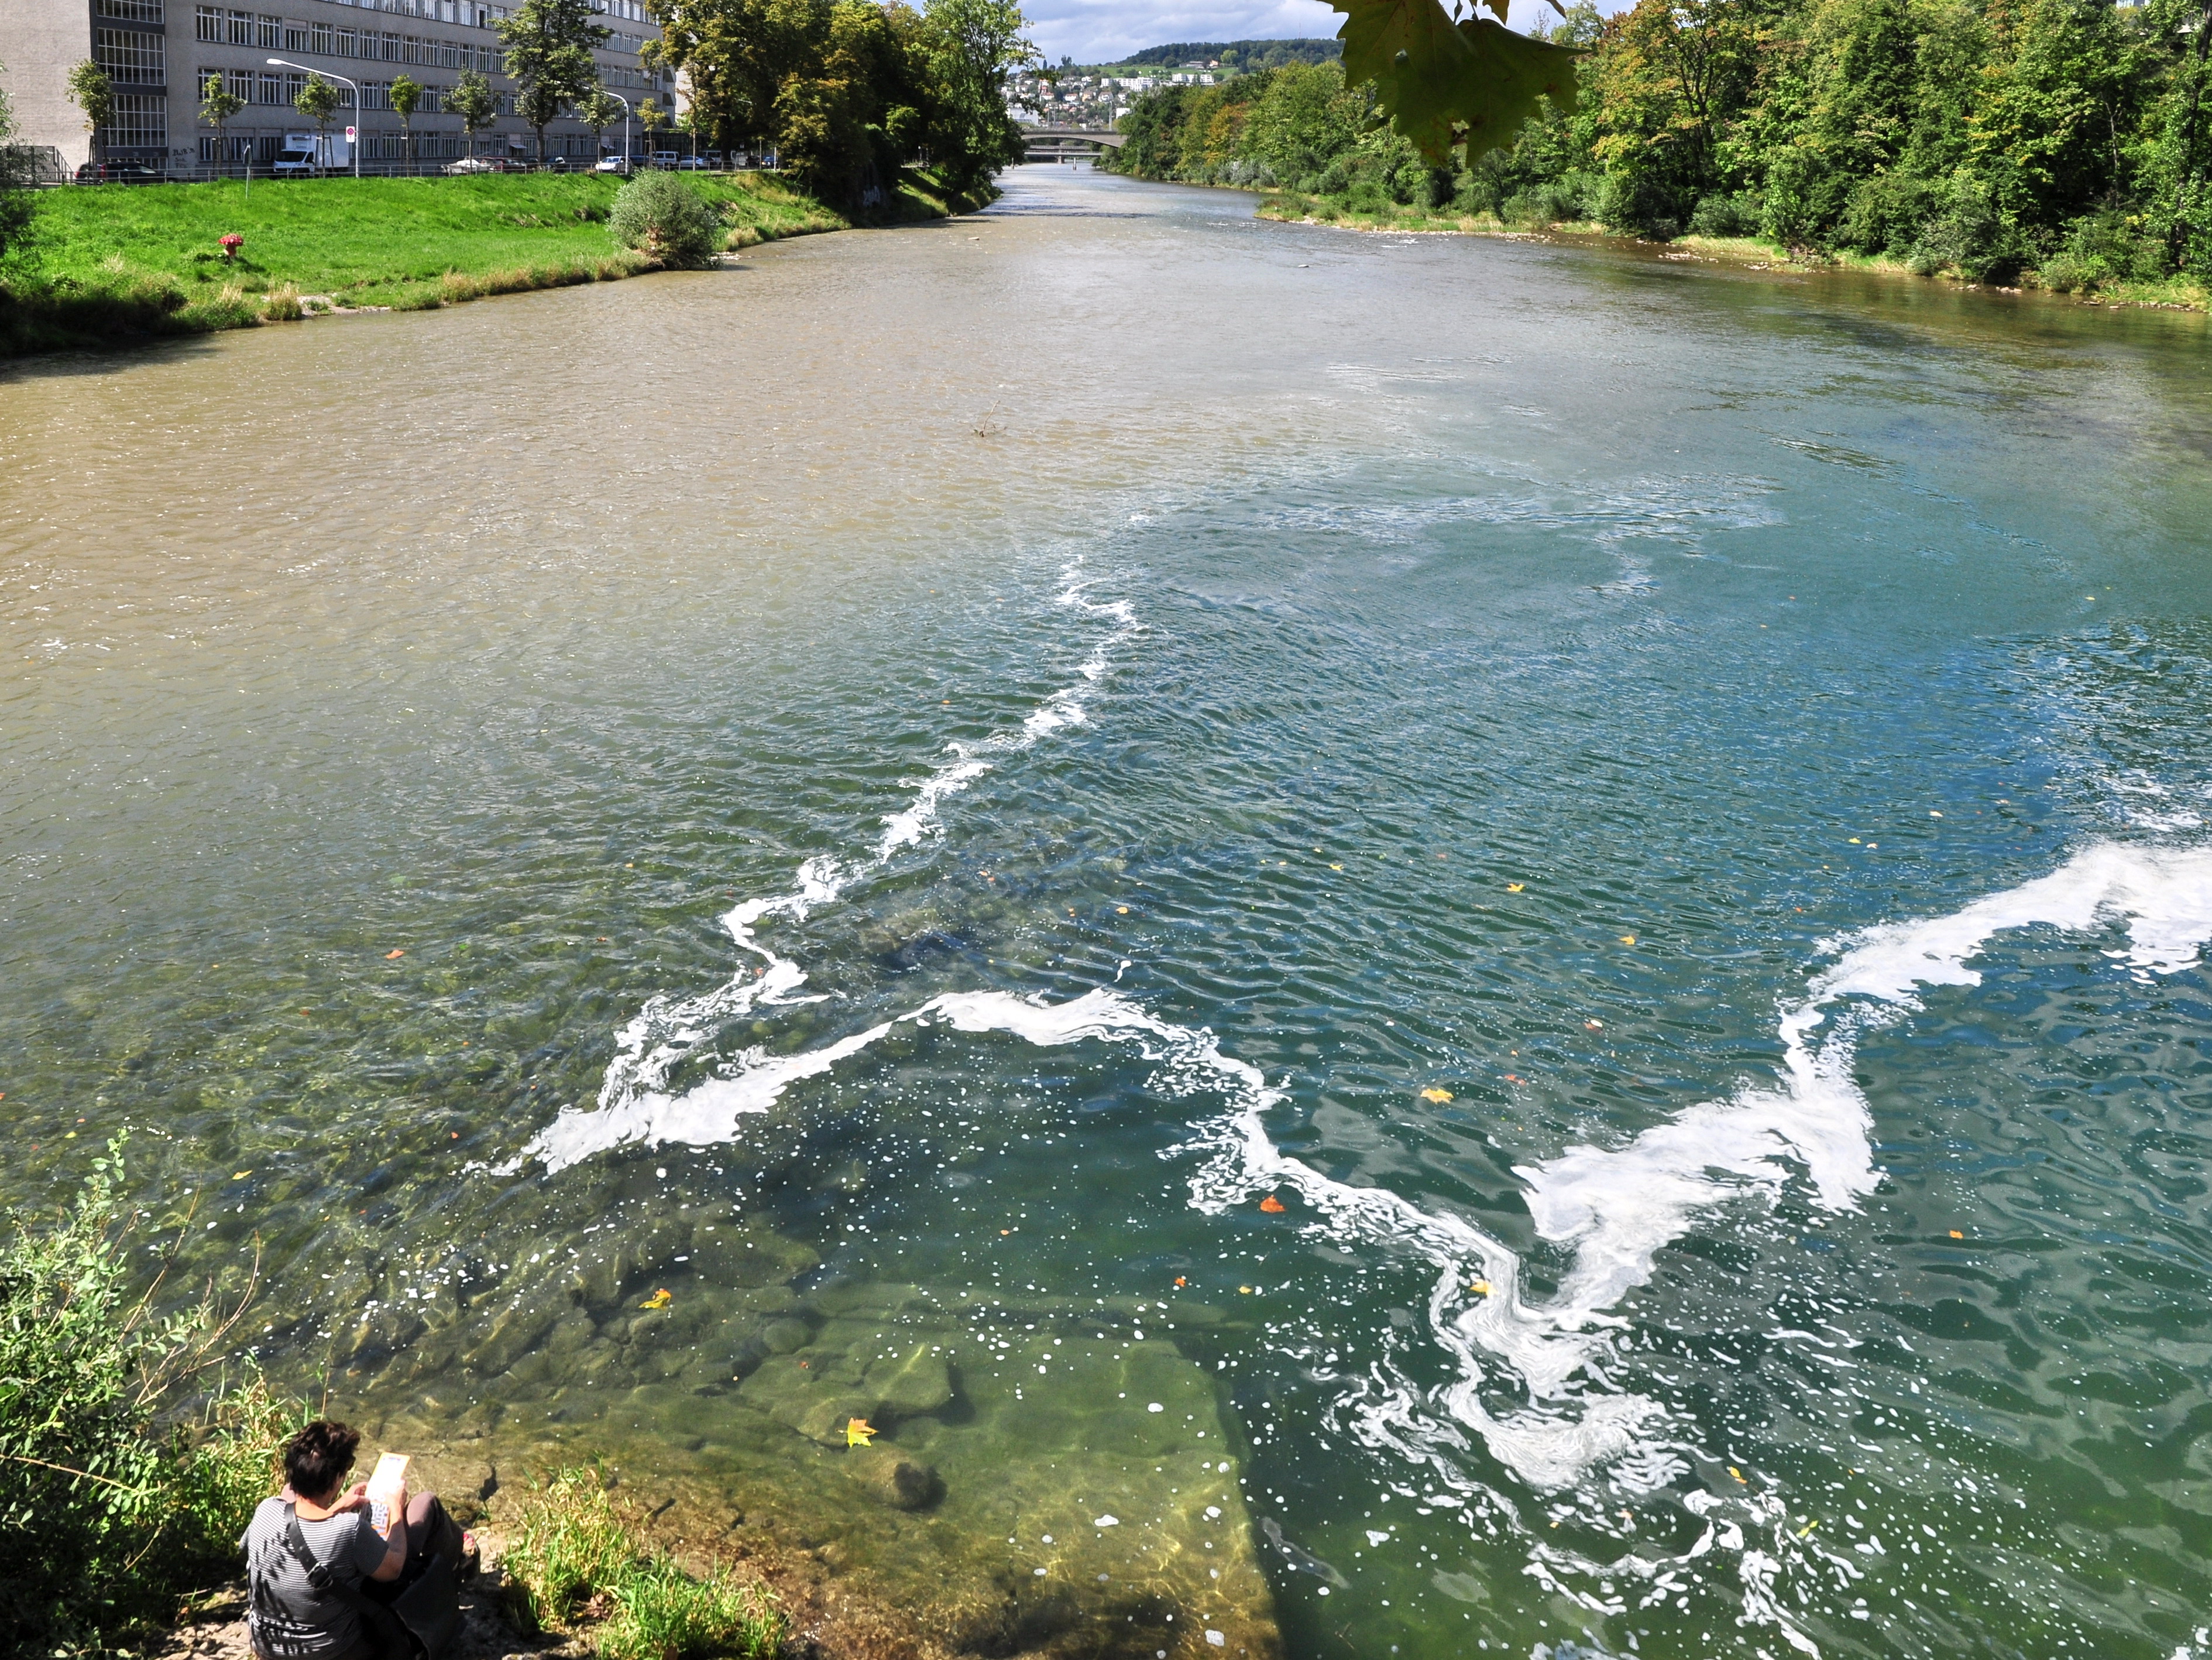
[1068, 144]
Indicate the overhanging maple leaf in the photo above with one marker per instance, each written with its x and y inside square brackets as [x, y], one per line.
[1433, 76]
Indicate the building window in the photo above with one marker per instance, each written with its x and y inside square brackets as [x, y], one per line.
[295, 35]
[239, 83]
[131, 11]
[207, 23]
[391, 48]
[241, 28]
[141, 121]
[126, 56]
[322, 38]
[267, 88]
[346, 43]
[268, 32]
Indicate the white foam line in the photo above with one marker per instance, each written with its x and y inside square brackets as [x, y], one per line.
[633, 1097]
[1618, 1207]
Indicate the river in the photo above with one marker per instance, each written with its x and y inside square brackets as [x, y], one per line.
[1396, 945]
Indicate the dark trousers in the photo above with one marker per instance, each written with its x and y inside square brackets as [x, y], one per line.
[430, 1533]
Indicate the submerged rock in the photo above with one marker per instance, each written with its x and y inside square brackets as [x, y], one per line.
[889, 1477]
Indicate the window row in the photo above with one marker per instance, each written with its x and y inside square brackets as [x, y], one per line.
[130, 57]
[241, 28]
[269, 86]
[138, 121]
[130, 11]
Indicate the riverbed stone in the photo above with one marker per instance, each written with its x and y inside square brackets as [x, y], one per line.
[1034, 1424]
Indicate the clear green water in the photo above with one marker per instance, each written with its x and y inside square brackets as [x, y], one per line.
[967, 760]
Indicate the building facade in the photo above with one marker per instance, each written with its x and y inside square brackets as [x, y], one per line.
[158, 55]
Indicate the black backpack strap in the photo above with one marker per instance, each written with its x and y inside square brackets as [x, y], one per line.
[378, 1621]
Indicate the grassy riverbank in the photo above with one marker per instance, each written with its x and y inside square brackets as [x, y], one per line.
[2175, 294]
[108, 265]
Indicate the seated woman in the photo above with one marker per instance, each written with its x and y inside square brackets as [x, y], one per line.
[287, 1617]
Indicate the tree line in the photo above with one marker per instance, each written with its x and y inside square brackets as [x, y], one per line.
[848, 90]
[1984, 137]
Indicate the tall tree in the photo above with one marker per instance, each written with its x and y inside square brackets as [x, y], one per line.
[90, 91]
[406, 97]
[549, 57]
[974, 46]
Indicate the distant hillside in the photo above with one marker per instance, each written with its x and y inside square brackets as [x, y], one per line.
[1240, 54]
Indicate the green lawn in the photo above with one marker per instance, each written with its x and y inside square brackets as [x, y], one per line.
[121, 261]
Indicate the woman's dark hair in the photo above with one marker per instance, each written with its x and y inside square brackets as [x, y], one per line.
[317, 1457]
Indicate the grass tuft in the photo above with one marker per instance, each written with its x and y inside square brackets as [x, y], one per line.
[575, 1557]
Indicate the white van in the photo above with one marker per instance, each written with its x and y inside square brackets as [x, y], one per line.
[305, 154]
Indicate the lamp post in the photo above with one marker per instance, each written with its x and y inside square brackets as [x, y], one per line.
[359, 108]
[627, 112]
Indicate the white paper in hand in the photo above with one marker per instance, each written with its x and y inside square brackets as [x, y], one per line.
[385, 1484]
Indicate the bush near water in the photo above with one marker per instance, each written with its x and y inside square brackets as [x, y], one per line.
[130, 1462]
[2064, 140]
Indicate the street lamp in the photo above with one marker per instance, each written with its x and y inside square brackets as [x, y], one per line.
[627, 112]
[359, 108]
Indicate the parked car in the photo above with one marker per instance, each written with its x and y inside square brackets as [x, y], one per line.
[117, 172]
[692, 164]
[664, 158]
[613, 164]
[484, 164]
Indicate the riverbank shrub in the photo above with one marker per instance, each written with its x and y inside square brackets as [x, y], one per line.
[128, 1465]
[660, 216]
[576, 1558]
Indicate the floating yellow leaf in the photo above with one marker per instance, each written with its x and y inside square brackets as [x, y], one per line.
[1738, 1474]
[394, 956]
[659, 1299]
[1121, 910]
[1515, 887]
[1480, 1288]
[1244, 1290]
[1955, 1234]
[1627, 938]
[1438, 1096]
[240, 1175]
[1806, 1532]
[857, 1432]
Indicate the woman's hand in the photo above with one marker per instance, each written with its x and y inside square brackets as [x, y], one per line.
[354, 1498]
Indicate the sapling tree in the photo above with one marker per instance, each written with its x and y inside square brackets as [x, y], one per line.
[598, 112]
[218, 104]
[90, 90]
[318, 101]
[471, 98]
[406, 97]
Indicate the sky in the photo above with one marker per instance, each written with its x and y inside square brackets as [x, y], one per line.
[1102, 31]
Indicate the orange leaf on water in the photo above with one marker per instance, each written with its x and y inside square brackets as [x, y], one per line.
[389, 955]
[1272, 1205]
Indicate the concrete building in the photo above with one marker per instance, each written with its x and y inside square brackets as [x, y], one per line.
[159, 53]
